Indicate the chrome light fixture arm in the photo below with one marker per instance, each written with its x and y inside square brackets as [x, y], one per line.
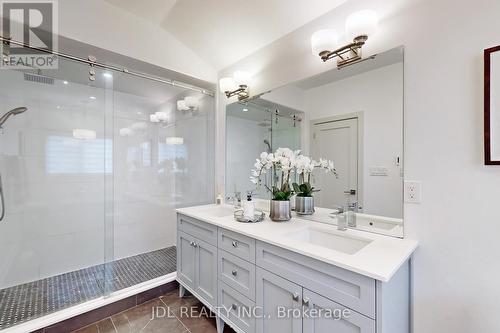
[346, 54]
[242, 92]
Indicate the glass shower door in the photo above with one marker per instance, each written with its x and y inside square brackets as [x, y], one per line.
[56, 168]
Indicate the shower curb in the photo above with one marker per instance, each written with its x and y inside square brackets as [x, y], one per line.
[108, 310]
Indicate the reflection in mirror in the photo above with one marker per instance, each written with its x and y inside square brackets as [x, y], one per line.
[353, 116]
[254, 127]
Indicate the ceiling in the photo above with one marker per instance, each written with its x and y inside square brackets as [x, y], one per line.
[225, 31]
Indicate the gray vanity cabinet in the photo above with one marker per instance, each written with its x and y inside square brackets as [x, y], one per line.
[232, 273]
[276, 295]
[331, 320]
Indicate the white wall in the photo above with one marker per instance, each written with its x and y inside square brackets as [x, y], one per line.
[100, 24]
[455, 272]
[378, 94]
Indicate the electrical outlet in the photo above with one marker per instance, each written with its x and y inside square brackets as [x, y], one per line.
[413, 192]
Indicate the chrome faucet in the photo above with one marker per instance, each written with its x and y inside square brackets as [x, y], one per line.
[340, 215]
[352, 209]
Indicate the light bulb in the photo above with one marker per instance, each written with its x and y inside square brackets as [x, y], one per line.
[364, 22]
[227, 84]
[191, 102]
[242, 78]
[181, 105]
[324, 40]
[154, 118]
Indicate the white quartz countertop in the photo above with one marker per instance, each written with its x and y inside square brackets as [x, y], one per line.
[380, 259]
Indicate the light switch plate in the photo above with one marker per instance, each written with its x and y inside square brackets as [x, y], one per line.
[413, 192]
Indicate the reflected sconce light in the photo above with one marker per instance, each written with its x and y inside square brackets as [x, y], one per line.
[174, 140]
[236, 85]
[159, 117]
[126, 132]
[358, 27]
[84, 134]
[190, 103]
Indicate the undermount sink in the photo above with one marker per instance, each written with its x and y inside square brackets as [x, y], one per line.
[329, 239]
[218, 211]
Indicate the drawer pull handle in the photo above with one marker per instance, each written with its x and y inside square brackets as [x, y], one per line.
[295, 297]
[235, 244]
[234, 272]
[191, 243]
[305, 301]
[195, 244]
[234, 306]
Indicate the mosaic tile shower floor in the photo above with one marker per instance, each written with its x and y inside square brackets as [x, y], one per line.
[35, 299]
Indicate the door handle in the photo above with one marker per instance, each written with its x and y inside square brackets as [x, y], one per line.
[234, 272]
[305, 301]
[351, 192]
[235, 244]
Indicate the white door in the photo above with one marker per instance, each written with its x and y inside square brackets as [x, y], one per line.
[337, 141]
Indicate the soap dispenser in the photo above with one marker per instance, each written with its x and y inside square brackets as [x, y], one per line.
[249, 207]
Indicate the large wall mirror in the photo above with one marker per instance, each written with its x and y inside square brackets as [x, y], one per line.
[492, 105]
[352, 116]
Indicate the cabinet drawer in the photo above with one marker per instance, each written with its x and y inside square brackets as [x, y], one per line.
[236, 308]
[333, 317]
[201, 230]
[237, 244]
[237, 273]
[352, 290]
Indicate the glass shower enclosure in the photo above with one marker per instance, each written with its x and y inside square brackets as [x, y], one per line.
[91, 175]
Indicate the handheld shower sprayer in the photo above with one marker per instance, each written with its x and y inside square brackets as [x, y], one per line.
[13, 112]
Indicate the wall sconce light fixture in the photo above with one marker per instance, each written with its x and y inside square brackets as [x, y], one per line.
[358, 26]
[236, 85]
[190, 103]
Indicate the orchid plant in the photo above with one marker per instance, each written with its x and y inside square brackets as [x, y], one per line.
[283, 163]
[304, 168]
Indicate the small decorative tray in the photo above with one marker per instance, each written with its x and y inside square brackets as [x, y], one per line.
[258, 217]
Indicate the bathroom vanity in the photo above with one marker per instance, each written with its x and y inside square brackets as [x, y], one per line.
[272, 277]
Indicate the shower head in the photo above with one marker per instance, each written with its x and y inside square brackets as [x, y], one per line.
[12, 112]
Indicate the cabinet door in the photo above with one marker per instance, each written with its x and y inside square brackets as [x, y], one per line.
[322, 315]
[277, 299]
[206, 272]
[186, 254]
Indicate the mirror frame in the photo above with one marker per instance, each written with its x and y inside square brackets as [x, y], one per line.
[487, 106]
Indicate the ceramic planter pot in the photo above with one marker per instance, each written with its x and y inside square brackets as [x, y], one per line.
[304, 205]
[280, 211]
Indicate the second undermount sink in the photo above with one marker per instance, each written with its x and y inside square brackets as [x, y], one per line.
[330, 239]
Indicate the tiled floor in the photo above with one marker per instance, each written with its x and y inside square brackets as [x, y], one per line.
[24, 302]
[169, 319]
